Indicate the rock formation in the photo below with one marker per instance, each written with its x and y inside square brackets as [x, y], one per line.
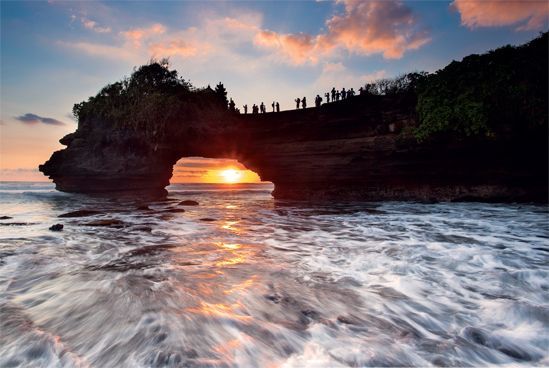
[359, 148]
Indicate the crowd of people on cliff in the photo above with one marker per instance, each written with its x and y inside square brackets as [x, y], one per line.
[301, 103]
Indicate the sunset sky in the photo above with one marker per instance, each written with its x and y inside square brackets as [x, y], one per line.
[55, 54]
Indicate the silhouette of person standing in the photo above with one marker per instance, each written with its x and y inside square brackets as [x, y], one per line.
[273, 105]
[361, 91]
[231, 105]
[337, 95]
[343, 94]
[334, 94]
[254, 109]
[277, 107]
[352, 92]
[304, 102]
[263, 110]
[318, 101]
[297, 101]
[245, 109]
[327, 95]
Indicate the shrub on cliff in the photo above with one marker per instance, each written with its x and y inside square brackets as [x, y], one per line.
[502, 92]
[151, 98]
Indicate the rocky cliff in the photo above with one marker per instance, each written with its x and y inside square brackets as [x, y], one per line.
[360, 148]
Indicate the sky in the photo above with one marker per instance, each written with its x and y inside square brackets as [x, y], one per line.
[55, 54]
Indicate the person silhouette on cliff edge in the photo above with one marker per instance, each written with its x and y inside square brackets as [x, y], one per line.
[273, 105]
[277, 107]
[333, 94]
[245, 109]
[297, 101]
[318, 100]
[304, 102]
[327, 95]
[254, 109]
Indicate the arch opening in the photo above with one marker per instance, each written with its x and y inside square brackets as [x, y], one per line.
[202, 170]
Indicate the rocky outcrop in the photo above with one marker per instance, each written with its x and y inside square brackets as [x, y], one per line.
[360, 148]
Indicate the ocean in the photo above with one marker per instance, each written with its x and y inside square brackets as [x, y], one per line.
[244, 280]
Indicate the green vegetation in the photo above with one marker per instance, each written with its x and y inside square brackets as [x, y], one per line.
[500, 93]
[153, 96]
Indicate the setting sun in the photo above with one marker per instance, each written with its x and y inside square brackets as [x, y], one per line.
[231, 175]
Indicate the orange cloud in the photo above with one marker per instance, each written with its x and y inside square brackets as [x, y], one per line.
[172, 48]
[370, 27]
[136, 35]
[92, 25]
[365, 27]
[528, 15]
[300, 48]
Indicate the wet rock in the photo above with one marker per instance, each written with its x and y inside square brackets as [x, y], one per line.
[275, 298]
[373, 211]
[174, 210]
[188, 202]
[207, 219]
[106, 222]
[56, 227]
[484, 338]
[79, 213]
[146, 229]
[5, 217]
[16, 223]
[312, 314]
[143, 208]
[348, 320]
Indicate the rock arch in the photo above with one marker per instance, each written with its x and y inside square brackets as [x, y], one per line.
[359, 148]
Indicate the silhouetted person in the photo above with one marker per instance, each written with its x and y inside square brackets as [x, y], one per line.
[361, 91]
[337, 95]
[273, 105]
[245, 109]
[263, 109]
[277, 107]
[304, 102]
[254, 109]
[334, 94]
[327, 95]
[297, 101]
[343, 94]
[231, 105]
[318, 101]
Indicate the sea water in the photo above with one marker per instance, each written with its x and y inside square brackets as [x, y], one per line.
[245, 280]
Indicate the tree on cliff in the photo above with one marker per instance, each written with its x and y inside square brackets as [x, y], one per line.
[153, 96]
[221, 94]
[500, 93]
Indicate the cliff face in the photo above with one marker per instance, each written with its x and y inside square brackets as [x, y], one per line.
[353, 149]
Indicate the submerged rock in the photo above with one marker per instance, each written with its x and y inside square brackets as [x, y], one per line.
[79, 213]
[188, 202]
[174, 210]
[207, 219]
[5, 217]
[106, 222]
[56, 227]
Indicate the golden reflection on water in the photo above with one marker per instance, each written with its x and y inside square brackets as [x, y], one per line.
[220, 310]
[230, 225]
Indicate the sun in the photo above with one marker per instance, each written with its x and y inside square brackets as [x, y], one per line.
[231, 175]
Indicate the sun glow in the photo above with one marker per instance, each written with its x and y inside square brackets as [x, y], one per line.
[231, 176]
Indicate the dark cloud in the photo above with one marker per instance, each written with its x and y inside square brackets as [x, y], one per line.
[31, 119]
